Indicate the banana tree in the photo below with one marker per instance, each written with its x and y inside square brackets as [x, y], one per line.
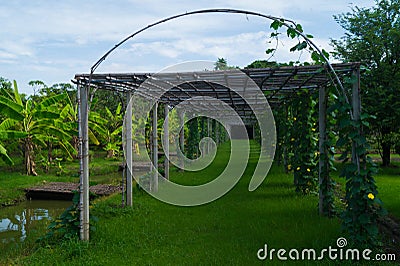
[69, 114]
[113, 132]
[36, 124]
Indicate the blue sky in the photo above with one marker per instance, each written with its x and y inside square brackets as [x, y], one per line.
[53, 40]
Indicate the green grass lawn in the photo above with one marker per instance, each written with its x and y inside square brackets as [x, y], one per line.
[228, 231]
[388, 181]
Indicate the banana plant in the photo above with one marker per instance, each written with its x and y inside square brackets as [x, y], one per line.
[113, 131]
[34, 124]
[69, 114]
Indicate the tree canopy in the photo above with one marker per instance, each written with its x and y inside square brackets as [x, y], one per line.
[372, 37]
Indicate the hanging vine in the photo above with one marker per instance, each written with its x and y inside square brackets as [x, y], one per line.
[304, 143]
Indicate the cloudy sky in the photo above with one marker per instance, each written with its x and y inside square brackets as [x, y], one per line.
[53, 40]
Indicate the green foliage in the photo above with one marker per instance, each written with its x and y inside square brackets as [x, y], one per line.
[66, 226]
[35, 124]
[363, 207]
[262, 64]
[360, 218]
[193, 139]
[222, 64]
[113, 132]
[304, 143]
[372, 38]
[295, 31]
[328, 187]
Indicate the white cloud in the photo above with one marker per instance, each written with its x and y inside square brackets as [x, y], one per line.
[53, 40]
[7, 55]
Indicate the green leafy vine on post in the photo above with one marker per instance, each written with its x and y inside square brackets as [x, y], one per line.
[304, 143]
[327, 186]
[67, 225]
[363, 208]
[193, 139]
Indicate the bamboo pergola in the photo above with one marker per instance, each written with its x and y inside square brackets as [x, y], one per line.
[277, 85]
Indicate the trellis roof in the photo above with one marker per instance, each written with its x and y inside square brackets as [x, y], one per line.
[277, 83]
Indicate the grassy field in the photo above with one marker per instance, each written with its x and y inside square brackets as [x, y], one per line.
[228, 231]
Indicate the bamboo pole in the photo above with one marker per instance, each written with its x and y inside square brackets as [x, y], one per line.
[323, 175]
[129, 157]
[166, 142]
[84, 161]
[182, 139]
[208, 134]
[356, 104]
[155, 149]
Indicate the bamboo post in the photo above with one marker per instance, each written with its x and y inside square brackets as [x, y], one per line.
[154, 187]
[356, 104]
[83, 118]
[323, 175]
[129, 157]
[182, 139]
[208, 134]
[166, 142]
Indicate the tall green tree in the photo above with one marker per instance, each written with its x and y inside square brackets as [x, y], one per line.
[222, 64]
[372, 37]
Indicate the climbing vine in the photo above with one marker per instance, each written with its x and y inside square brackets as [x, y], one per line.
[328, 185]
[193, 139]
[66, 226]
[304, 143]
[363, 207]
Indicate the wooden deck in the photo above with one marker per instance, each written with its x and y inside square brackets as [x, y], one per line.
[65, 191]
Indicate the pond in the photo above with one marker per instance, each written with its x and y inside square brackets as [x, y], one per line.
[27, 218]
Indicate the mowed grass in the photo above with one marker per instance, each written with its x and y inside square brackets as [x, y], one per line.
[388, 181]
[228, 231]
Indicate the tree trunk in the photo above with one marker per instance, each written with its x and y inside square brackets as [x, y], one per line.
[29, 160]
[50, 152]
[110, 154]
[386, 153]
[386, 145]
[75, 144]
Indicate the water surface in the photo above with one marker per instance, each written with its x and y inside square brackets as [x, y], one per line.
[30, 217]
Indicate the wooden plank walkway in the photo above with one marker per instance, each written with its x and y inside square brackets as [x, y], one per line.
[62, 190]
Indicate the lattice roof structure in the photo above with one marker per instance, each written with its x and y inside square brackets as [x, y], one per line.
[277, 84]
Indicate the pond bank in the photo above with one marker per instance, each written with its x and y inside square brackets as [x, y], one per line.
[65, 191]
